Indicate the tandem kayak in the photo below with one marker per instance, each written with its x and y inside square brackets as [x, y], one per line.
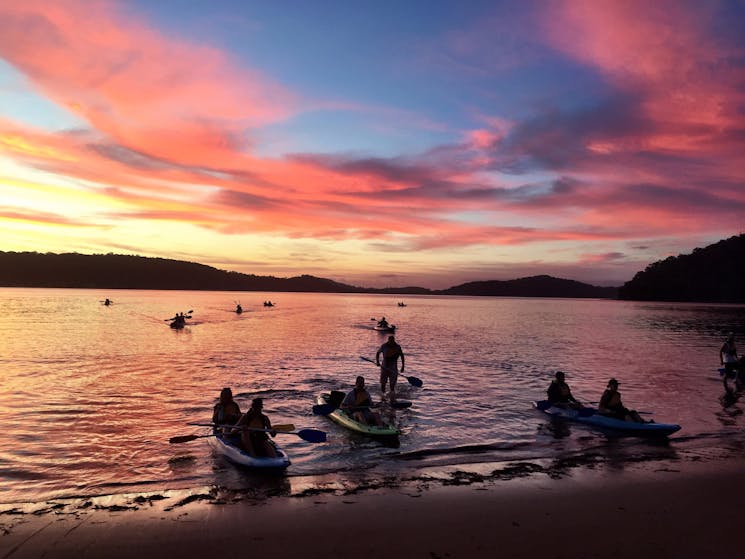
[345, 420]
[237, 455]
[590, 416]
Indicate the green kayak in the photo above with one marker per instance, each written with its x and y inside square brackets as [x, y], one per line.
[345, 420]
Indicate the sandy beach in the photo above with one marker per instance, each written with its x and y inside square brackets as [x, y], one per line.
[692, 511]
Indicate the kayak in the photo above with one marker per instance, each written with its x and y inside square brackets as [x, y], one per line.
[237, 455]
[177, 325]
[590, 416]
[390, 328]
[345, 420]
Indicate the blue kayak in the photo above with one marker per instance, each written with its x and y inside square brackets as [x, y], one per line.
[591, 416]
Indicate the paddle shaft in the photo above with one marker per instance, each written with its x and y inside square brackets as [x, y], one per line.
[414, 381]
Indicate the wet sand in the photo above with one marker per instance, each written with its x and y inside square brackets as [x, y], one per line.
[691, 510]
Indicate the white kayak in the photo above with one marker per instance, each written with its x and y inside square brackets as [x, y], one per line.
[237, 455]
[590, 416]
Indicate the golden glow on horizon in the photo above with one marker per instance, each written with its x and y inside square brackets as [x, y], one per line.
[22, 146]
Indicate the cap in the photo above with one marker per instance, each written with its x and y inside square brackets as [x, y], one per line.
[613, 381]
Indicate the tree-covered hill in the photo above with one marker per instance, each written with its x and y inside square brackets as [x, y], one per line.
[116, 271]
[714, 274]
[534, 286]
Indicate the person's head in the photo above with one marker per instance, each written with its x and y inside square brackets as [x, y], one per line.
[731, 337]
[257, 403]
[391, 339]
[226, 395]
[613, 384]
[359, 382]
[382, 318]
[560, 376]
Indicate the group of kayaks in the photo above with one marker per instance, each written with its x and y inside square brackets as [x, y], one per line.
[327, 404]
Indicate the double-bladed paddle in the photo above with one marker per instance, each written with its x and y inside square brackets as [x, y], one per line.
[543, 405]
[175, 317]
[309, 435]
[414, 381]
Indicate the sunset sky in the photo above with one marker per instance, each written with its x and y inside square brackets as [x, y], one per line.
[380, 143]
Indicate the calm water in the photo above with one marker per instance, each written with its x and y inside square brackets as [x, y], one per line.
[89, 394]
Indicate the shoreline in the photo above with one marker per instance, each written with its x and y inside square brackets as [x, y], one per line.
[684, 510]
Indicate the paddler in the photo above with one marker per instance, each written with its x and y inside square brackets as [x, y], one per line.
[256, 443]
[357, 404]
[226, 411]
[611, 405]
[728, 358]
[559, 394]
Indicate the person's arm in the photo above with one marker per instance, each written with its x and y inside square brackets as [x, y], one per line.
[348, 400]
[377, 356]
[721, 354]
[215, 414]
[603, 404]
[403, 361]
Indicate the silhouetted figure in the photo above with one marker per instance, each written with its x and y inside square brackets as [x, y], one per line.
[256, 443]
[611, 405]
[559, 394]
[728, 358]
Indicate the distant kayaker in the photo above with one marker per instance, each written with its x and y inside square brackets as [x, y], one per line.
[391, 351]
[238, 308]
[357, 404]
[107, 302]
[256, 443]
[559, 393]
[728, 358]
[383, 323]
[611, 405]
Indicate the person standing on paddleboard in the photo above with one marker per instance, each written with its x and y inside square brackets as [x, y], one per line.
[391, 351]
[728, 358]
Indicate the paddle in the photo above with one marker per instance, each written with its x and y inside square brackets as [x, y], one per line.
[414, 381]
[543, 405]
[309, 435]
[325, 409]
[175, 317]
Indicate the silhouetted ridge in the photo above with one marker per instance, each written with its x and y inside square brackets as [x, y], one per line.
[117, 271]
[534, 286]
[714, 274]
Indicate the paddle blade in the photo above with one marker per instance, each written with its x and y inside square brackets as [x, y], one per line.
[323, 409]
[414, 381]
[312, 435]
[183, 439]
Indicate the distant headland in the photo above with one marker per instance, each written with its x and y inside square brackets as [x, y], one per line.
[117, 271]
[715, 273]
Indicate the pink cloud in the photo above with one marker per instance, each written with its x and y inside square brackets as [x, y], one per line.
[167, 97]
